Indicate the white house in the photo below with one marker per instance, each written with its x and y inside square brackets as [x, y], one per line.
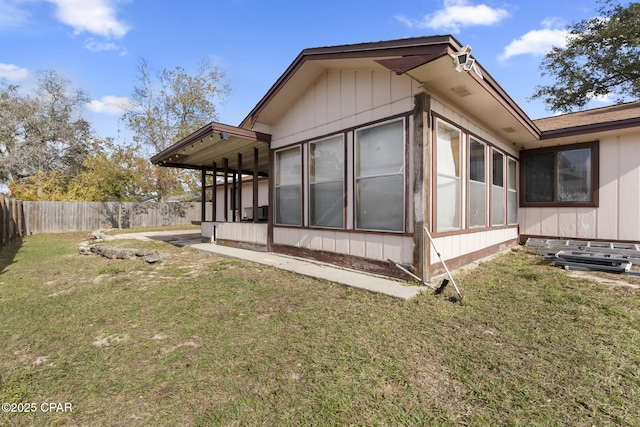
[356, 149]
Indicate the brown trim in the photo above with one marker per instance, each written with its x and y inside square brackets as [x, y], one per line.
[466, 259]
[344, 260]
[595, 176]
[522, 238]
[591, 128]
[438, 45]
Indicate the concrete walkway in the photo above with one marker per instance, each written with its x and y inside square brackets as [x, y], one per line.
[302, 266]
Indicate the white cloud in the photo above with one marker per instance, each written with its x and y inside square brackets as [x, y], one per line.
[537, 42]
[13, 72]
[92, 16]
[110, 104]
[457, 14]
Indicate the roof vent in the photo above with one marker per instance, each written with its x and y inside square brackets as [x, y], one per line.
[508, 130]
[462, 91]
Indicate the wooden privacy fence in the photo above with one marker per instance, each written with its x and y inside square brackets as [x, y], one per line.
[11, 220]
[58, 217]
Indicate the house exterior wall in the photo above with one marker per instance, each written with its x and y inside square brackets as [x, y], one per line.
[340, 101]
[616, 217]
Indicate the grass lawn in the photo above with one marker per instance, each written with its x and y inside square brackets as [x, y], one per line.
[197, 340]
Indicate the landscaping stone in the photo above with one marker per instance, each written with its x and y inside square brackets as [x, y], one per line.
[113, 252]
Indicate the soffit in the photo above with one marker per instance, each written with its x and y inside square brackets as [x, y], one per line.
[214, 143]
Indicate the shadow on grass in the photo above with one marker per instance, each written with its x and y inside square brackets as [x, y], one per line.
[8, 254]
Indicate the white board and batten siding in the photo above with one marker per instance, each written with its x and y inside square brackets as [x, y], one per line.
[618, 214]
[343, 99]
[366, 245]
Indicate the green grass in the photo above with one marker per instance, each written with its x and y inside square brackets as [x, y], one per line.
[200, 340]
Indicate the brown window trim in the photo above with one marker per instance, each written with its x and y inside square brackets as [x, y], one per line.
[595, 175]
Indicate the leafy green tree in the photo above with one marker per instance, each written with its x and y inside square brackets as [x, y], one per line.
[601, 58]
[43, 132]
[170, 106]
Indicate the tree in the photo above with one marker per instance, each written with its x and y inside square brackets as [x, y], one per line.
[43, 132]
[601, 58]
[170, 107]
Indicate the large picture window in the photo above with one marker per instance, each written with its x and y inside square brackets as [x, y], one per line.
[448, 177]
[288, 186]
[326, 182]
[561, 176]
[477, 184]
[379, 177]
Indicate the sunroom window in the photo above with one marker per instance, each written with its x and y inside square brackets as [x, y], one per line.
[512, 191]
[477, 184]
[448, 177]
[288, 186]
[379, 177]
[326, 182]
[497, 189]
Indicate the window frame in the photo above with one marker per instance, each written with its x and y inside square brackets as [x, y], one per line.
[300, 185]
[472, 139]
[492, 209]
[461, 180]
[311, 182]
[356, 177]
[594, 146]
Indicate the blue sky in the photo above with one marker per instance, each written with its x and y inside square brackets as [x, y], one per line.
[98, 43]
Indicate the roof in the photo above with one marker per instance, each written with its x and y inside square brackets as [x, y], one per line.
[427, 60]
[598, 119]
[217, 142]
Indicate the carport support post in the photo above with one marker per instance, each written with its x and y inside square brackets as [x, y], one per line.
[214, 192]
[203, 196]
[255, 184]
[226, 190]
[240, 186]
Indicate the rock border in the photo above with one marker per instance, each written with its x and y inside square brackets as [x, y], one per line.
[114, 252]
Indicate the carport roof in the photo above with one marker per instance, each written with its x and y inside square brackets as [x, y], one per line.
[214, 143]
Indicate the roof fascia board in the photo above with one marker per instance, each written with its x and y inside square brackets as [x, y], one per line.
[592, 128]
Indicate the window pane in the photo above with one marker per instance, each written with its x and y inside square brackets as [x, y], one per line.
[326, 160]
[326, 204]
[288, 187]
[448, 178]
[512, 192]
[477, 184]
[539, 177]
[380, 203]
[448, 148]
[288, 205]
[380, 177]
[380, 149]
[477, 204]
[326, 182]
[497, 205]
[574, 175]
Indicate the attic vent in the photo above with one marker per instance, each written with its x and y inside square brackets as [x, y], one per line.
[461, 91]
[508, 130]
